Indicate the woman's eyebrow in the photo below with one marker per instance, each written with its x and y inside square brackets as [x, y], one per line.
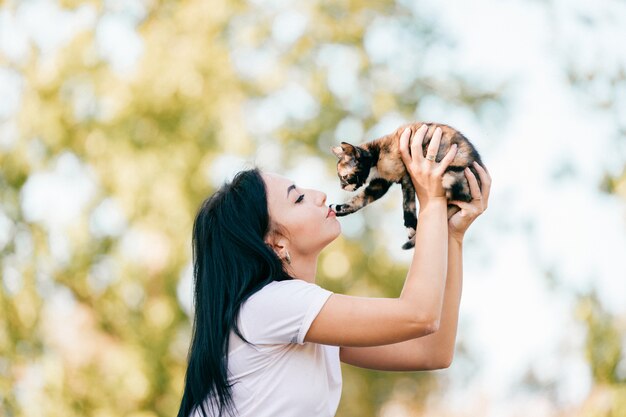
[291, 187]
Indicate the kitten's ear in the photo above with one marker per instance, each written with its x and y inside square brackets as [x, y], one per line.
[337, 150]
[345, 150]
[354, 151]
[348, 148]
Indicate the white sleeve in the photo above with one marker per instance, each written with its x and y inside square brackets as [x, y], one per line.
[282, 312]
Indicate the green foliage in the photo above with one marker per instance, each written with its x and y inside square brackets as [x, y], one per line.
[605, 354]
[604, 344]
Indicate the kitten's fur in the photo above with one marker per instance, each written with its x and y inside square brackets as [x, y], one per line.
[377, 164]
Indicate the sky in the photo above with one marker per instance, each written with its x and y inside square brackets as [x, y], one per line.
[547, 153]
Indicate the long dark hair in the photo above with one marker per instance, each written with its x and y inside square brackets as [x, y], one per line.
[231, 262]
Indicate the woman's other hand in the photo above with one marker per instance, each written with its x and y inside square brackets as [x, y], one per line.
[460, 221]
[426, 174]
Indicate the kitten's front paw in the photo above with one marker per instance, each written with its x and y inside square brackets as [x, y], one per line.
[340, 209]
[409, 243]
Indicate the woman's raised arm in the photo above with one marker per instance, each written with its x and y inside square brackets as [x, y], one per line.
[362, 321]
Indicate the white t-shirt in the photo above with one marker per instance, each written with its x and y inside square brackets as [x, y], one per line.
[282, 375]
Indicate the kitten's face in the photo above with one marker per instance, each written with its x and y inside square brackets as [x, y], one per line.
[353, 166]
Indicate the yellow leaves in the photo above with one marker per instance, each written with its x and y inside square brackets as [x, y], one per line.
[232, 135]
[603, 401]
[82, 356]
[147, 248]
[26, 312]
[620, 186]
[335, 264]
[71, 4]
[76, 342]
[603, 344]
[383, 103]
[95, 143]
[159, 313]
[183, 56]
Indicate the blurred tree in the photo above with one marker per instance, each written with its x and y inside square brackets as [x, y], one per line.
[95, 321]
[605, 354]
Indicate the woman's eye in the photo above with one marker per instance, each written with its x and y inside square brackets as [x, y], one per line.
[300, 198]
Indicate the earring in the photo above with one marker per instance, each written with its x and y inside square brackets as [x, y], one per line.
[287, 258]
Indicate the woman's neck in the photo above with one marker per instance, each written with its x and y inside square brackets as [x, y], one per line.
[304, 267]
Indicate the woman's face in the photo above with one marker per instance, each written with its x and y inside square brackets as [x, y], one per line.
[303, 213]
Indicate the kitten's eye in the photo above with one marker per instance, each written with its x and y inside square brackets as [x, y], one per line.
[300, 198]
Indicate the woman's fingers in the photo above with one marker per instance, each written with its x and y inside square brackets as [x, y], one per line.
[447, 160]
[478, 204]
[473, 184]
[404, 146]
[416, 143]
[485, 180]
[433, 146]
[463, 205]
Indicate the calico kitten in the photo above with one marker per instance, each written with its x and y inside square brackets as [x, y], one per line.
[377, 164]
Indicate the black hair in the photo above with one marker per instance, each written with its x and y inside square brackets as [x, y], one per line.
[231, 262]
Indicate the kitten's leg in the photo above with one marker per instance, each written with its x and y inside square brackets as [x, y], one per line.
[372, 192]
[409, 210]
[456, 185]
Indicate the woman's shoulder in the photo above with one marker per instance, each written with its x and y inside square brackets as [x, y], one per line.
[285, 286]
[285, 297]
[282, 310]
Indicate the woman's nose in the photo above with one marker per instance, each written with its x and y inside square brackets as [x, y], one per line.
[323, 197]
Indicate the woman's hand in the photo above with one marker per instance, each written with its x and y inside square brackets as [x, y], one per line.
[460, 221]
[426, 174]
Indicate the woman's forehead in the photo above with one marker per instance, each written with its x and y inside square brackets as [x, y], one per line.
[277, 185]
[272, 180]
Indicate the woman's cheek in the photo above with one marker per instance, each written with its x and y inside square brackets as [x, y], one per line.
[300, 226]
[310, 226]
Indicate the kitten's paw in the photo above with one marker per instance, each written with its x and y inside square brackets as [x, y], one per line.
[449, 179]
[409, 243]
[410, 232]
[340, 209]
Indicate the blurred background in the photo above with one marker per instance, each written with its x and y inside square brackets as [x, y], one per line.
[118, 117]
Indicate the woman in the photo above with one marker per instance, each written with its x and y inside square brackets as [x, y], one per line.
[267, 340]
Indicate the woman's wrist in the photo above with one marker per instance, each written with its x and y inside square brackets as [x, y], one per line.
[457, 238]
[435, 202]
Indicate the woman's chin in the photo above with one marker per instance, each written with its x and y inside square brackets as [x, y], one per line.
[338, 233]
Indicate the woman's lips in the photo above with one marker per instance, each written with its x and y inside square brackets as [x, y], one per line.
[330, 212]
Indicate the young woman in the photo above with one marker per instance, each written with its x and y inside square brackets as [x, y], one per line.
[267, 340]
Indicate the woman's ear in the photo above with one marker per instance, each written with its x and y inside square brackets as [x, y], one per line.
[278, 244]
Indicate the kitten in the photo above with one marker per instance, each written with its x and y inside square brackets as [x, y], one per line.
[377, 164]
